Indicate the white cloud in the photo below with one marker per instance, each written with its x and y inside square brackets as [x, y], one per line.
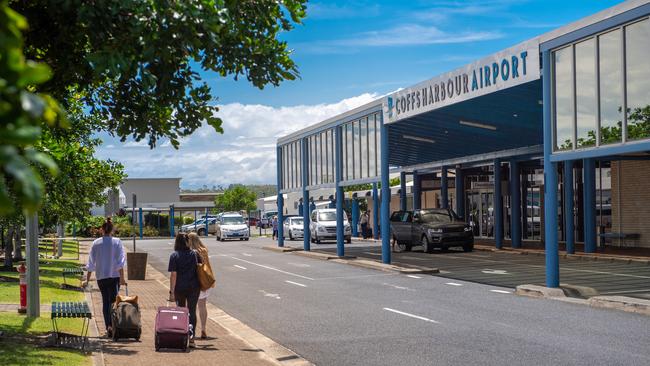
[244, 153]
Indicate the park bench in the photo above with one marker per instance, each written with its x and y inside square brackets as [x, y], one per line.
[79, 310]
[624, 237]
[74, 272]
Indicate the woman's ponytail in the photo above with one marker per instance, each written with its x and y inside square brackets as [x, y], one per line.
[107, 226]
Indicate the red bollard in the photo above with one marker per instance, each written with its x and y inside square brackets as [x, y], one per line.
[23, 289]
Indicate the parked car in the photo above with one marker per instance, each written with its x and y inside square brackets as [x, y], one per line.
[199, 228]
[431, 228]
[267, 219]
[293, 227]
[232, 226]
[323, 225]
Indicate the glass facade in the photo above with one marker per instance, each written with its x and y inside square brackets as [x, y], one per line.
[601, 88]
[360, 148]
[291, 159]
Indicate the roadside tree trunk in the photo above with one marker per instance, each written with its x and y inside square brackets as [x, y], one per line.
[60, 233]
[18, 245]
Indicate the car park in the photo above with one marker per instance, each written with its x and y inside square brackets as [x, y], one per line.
[431, 228]
[323, 226]
[232, 226]
[293, 227]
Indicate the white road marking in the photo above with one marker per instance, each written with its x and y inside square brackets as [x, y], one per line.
[414, 258]
[247, 254]
[272, 269]
[501, 291]
[268, 294]
[295, 283]
[413, 276]
[301, 265]
[453, 284]
[240, 267]
[444, 272]
[398, 287]
[495, 271]
[411, 315]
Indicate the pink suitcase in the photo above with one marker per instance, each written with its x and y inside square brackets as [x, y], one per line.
[172, 328]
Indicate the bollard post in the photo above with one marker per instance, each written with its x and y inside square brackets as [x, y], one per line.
[23, 288]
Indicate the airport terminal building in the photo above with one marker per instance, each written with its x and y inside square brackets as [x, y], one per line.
[544, 144]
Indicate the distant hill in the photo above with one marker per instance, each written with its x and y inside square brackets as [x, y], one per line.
[261, 190]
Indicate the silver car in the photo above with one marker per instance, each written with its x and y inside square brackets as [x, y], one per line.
[293, 228]
[323, 226]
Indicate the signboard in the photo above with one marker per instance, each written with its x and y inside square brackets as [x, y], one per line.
[513, 66]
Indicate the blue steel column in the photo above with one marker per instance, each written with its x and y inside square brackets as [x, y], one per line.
[417, 191]
[385, 195]
[300, 208]
[279, 175]
[460, 193]
[355, 217]
[140, 220]
[498, 206]
[207, 224]
[375, 206]
[550, 182]
[402, 191]
[515, 205]
[305, 196]
[338, 173]
[171, 220]
[589, 199]
[444, 187]
[568, 207]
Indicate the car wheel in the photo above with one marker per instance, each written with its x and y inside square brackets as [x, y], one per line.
[348, 240]
[468, 248]
[290, 236]
[317, 240]
[399, 247]
[245, 239]
[408, 247]
[426, 246]
[201, 232]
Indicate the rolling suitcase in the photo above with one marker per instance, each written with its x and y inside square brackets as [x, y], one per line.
[125, 317]
[172, 328]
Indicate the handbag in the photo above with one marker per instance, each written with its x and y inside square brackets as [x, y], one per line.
[205, 275]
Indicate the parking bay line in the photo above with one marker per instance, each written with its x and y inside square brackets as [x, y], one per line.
[413, 276]
[453, 284]
[272, 269]
[295, 283]
[501, 291]
[412, 315]
[240, 267]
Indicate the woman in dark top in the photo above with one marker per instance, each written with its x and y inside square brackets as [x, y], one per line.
[184, 282]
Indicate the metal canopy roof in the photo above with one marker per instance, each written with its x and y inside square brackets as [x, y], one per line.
[507, 119]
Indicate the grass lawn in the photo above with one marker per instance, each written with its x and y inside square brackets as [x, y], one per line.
[17, 348]
[50, 279]
[20, 344]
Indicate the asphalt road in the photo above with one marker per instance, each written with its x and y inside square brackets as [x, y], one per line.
[335, 314]
[589, 277]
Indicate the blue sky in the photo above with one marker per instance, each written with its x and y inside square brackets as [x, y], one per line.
[348, 53]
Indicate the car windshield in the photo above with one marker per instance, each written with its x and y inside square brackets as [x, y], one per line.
[233, 220]
[297, 222]
[436, 217]
[198, 222]
[327, 216]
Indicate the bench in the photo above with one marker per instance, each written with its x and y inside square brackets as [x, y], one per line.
[74, 272]
[79, 310]
[621, 236]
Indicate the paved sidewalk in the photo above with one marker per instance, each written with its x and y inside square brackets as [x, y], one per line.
[221, 348]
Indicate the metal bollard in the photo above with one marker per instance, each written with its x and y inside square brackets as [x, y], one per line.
[23, 288]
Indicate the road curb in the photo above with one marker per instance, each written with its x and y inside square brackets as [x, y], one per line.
[621, 303]
[281, 249]
[575, 256]
[274, 351]
[368, 263]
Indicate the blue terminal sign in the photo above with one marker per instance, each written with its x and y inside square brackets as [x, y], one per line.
[505, 69]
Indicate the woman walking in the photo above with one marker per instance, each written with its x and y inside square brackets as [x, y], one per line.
[107, 260]
[184, 282]
[202, 251]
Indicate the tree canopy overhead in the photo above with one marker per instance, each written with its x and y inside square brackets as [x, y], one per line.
[136, 62]
[132, 67]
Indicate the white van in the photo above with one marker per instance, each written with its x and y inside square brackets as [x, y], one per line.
[322, 225]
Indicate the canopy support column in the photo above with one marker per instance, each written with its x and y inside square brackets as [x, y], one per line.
[385, 195]
[498, 206]
[402, 191]
[460, 193]
[375, 214]
[589, 199]
[444, 188]
[569, 227]
[417, 191]
[338, 173]
[515, 205]
[305, 196]
[279, 175]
